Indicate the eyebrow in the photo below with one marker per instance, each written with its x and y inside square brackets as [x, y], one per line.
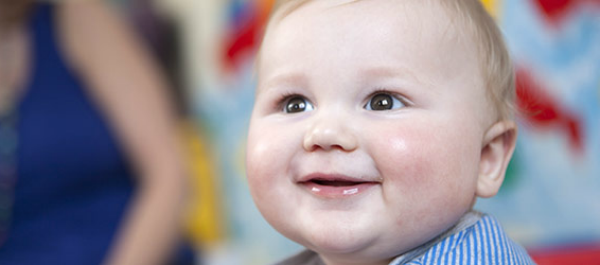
[391, 72]
[294, 78]
[289, 78]
[403, 73]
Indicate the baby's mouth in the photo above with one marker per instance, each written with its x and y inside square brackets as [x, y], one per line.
[335, 183]
[335, 186]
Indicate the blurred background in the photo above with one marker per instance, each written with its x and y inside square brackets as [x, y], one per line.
[550, 201]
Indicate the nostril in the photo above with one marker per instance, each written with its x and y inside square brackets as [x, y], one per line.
[325, 147]
[337, 146]
[331, 138]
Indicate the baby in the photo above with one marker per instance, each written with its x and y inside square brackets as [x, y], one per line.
[377, 124]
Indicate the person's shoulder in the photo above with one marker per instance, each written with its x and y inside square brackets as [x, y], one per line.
[93, 32]
[87, 13]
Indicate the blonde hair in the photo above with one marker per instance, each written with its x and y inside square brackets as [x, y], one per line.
[494, 58]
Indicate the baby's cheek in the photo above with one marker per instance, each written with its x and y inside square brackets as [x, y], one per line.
[410, 159]
[422, 170]
[270, 149]
[259, 159]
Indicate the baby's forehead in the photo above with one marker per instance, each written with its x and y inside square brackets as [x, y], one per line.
[286, 8]
[437, 21]
[420, 26]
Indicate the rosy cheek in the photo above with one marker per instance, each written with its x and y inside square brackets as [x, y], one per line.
[404, 158]
[269, 150]
[257, 154]
[415, 161]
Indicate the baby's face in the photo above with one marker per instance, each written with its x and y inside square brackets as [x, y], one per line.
[367, 129]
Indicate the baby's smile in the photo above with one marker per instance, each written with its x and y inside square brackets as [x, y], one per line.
[335, 186]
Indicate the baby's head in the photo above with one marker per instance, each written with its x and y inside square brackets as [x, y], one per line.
[377, 123]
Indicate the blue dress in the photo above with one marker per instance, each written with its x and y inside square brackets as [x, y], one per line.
[73, 180]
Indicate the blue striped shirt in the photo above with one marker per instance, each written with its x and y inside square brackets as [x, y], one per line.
[477, 239]
[482, 243]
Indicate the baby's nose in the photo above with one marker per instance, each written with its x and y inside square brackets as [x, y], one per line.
[328, 133]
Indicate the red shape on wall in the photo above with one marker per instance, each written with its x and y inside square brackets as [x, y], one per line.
[585, 255]
[554, 10]
[246, 38]
[242, 41]
[540, 109]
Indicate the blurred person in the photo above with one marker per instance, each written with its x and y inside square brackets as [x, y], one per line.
[90, 165]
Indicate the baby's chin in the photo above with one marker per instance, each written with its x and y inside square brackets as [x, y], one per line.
[366, 242]
[342, 233]
[336, 241]
[362, 250]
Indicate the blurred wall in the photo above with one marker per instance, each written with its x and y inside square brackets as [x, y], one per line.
[550, 201]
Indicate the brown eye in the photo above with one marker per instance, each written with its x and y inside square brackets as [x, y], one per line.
[297, 104]
[383, 101]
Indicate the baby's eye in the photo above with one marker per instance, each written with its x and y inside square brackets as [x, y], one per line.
[383, 101]
[297, 104]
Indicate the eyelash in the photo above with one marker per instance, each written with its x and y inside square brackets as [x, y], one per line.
[377, 91]
[285, 97]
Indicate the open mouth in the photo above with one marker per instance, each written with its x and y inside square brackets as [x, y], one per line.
[335, 183]
[329, 186]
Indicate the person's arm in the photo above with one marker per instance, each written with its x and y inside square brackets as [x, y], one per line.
[130, 91]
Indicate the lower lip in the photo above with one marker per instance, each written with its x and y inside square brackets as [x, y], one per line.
[337, 191]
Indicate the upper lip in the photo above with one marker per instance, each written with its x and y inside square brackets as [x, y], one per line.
[335, 177]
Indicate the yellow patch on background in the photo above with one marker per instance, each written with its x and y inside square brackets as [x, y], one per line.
[492, 7]
[205, 221]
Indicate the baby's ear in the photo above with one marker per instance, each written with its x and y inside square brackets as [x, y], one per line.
[498, 146]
